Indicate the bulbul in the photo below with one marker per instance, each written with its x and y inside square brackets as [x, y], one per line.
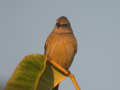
[61, 44]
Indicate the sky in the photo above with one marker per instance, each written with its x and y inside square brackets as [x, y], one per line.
[25, 25]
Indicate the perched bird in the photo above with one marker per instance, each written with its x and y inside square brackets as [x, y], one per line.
[61, 44]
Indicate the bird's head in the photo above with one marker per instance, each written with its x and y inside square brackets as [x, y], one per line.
[62, 25]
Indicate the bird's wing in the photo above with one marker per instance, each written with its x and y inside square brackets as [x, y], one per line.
[75, 45]
[48, 41]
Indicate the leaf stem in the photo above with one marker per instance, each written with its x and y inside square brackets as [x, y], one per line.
[72, 77]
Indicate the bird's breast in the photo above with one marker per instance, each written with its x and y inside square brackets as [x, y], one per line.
[61, 50]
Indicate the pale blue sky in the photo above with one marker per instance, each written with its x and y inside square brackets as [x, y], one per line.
[25, 25]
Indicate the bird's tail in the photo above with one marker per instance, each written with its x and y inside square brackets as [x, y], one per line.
[56, 88]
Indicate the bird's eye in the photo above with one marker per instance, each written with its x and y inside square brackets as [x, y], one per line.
[58, 25]
[64, 25]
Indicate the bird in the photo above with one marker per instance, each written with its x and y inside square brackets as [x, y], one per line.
[61, 44]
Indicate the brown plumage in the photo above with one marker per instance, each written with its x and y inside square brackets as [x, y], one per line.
[61, 44]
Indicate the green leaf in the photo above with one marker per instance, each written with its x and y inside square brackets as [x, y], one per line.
[32, 73]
